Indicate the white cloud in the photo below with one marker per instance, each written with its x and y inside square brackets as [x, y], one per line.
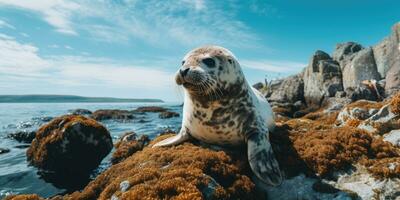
[275, 66]
[21, 63]
[68, 47]
[57, 13]
[177, 22]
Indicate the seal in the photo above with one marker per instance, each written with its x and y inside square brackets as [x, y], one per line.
[221, 108]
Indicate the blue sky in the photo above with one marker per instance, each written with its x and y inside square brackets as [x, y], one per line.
[131, 48]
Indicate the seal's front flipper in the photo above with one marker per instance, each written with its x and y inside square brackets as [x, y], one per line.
[174, 140]
[262, 159]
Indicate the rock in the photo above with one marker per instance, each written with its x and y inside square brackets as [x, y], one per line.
[354, 113]
[4, 150]
[150, 109]
[387, 53]
[362, 67]
[289, 91]
[70, 145]
[168, 114]
[382, 122]
[393, 80]
[393, 137]
[322, 79]
[112, 115]
[80, 111]
[185, 171]
[344, 51]
[23, 136]
[368, 90]
[128, 145]
[366, 186]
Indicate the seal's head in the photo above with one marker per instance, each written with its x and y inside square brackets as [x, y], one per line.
[209, 70]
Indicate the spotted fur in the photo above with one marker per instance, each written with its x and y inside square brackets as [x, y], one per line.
[221, 108]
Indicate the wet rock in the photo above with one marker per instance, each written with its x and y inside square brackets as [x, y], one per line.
[362, 67]
[42, 119]
[150, 109]
[112, 115]
[80, 111]
[322, 79]
[290, 90]
[70, 145]
[4, 150]
[128, 145]
[168, 114]
[23, 136]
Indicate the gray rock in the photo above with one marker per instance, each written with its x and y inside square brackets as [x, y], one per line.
[393, 137]
[80, 111]
[381, 122]
[393, 80]
[4, 150]
[362, 67]
[272, 87]
[358, 113]
[344, 51]
[290, 90]
[322, 78]
[364, 92]
[387, 52]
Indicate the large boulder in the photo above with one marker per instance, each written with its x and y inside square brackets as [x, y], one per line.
[361, 67]
[387, 53]
[290, 90]
[112, 115]
[322, 78]
[344, 52]
[70, 145]
[393, 80]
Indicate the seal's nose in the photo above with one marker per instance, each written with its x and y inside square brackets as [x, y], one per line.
[184, 72]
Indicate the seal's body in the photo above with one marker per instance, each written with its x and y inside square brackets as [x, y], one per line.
[221, 108]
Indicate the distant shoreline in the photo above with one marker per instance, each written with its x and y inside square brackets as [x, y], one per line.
[70, 99]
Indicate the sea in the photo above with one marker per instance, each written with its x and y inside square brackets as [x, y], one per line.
[18, 177]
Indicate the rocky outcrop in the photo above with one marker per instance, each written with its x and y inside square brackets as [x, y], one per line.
[387, 53]
[112, 115]
[393, 80]
[23, 136]
[290, 90]
[344, 52]
[168, 114]
[150, 109]
[362, 67]
[128, 144]
[322, 78]
[70, 145]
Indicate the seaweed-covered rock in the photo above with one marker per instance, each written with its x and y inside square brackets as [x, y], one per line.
[112, 114]
[168, 114]
[23, 136]
[128, 145]
[150, 109]
[354, 113]
[322, 79]
[70, 145]
[80, 111]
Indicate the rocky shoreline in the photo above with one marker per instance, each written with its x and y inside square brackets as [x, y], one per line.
[337, 137]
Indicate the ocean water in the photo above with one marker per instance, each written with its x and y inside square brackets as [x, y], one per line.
[17, 177]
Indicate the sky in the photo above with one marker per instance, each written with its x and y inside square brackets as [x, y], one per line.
[132, 48]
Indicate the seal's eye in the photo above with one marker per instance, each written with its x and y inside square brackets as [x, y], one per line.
[209, 62]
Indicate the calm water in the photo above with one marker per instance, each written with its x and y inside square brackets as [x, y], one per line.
[17, 177]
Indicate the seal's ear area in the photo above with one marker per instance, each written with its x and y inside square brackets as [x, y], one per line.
[181, 137]
[262, 160]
